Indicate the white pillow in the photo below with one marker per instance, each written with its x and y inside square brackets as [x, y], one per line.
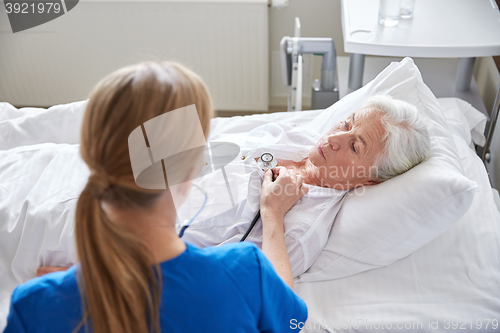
[29, 126]
[380, 224]
[468, 124]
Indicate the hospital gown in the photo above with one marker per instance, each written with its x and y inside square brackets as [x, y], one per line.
[233, 198]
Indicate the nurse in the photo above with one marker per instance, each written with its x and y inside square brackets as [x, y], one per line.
[135, 274]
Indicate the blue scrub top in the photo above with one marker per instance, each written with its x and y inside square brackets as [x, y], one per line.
[230, 288]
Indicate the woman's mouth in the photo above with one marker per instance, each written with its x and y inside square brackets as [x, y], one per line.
[321, 152]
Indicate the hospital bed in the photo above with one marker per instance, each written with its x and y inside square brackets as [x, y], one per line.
[450, 283]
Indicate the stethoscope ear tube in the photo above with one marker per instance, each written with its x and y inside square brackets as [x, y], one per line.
[182, 230]
[181, 233]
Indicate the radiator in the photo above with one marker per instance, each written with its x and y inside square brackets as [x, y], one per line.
[225, 42]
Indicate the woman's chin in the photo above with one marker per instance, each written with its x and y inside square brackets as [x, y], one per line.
[316, 159]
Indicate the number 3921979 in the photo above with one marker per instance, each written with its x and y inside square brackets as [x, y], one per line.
[32, 7]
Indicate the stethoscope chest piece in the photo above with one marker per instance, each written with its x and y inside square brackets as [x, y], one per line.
[267, 160]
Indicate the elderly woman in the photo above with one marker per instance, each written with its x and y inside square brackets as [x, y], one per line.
[383, 139]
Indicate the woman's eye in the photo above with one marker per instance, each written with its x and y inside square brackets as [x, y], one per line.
[345, 124]
[353, 148]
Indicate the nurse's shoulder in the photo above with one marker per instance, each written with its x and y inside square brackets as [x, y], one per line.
[48, 290]
[237, 260]
[251, 272]
[229, 252]
[40, 301]
[57, 284]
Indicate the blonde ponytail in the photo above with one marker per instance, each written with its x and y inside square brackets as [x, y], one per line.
[119, 281]
[116, 263]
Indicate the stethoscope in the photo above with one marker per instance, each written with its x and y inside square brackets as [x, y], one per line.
[266, 160]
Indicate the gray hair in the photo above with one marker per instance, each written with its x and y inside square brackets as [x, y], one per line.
[407, 141]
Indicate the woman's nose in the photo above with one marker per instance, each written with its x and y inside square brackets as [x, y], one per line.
[337, 140]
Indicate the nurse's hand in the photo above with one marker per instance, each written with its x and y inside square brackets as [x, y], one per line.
[278, 197]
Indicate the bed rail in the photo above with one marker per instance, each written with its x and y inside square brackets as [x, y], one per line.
[484, 152]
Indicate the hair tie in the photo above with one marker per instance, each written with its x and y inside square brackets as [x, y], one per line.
[98, 184]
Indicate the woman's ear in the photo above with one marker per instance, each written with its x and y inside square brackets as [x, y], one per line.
[184, 187]
[371, 182]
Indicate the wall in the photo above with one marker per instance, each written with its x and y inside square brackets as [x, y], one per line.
[488, 80]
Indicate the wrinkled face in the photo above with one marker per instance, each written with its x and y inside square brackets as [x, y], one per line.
[344, 157]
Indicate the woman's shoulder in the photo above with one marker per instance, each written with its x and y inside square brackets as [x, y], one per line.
[233, 268]
[225, 262]
[50, 303]
[226, 254]
[47, 287]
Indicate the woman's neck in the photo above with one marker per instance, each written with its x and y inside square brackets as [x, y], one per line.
[156, 227]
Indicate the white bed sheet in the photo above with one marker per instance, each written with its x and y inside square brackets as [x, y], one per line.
[455, 277]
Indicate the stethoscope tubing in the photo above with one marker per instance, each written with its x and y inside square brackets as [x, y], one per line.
[256, 218]
[250, 228]
[181, 233]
